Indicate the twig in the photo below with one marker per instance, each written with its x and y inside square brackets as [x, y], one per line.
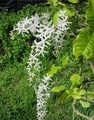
[92, 66]
[80, 114]
[88, 99]
[59, 28]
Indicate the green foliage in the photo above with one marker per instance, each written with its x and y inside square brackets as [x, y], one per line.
[53, 70]
[58, 88]
[90, 14]
[84, 104]
[65, 60]
[73, 1]
[17, 99]
[90, 95]
[76, 80]
[83, 45]
[14, 47]
[73, 91]
[53, 2]
[69, 12]
[55, 18]
[83, 49]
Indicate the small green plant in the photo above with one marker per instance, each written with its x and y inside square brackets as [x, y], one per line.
[83, 49]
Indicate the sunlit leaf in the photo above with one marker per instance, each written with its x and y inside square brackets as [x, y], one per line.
[84, 44]
[90, 14]
[81, 92]
[90, 95]
[53, 70]
[65, 60]
[84, 104]
[53, 2]
[78, 93]
[55, 18]
[76, 96]
[73, 1]
[75, 79]
[69, 12]
[58, 88]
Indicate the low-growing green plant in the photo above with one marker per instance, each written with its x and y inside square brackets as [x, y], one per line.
[81, 87]
[17, 99]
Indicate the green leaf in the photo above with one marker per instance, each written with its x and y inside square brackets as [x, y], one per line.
[90, 95]
[53, 70]
[76, 96]
[81, 91]
[58, 88]
[84, 104]
[65, 60]
[73, 1]
[90, 14]
[78, 93]
[53, 2]
[63, 97]
[75, 79]
[68, 12]
[84, 44]
[55, 18]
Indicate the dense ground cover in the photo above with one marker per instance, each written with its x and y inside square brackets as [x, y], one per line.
[17, 97]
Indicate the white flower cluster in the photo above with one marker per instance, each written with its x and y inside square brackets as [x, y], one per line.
[27, 25]
[46, 35]
[43, 93]
[42, 33]
[61, 30]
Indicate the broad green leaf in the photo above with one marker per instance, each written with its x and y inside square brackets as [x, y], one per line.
[84, 104]
[78, 93]
[58, 88]
[73, 1]
[84, 44]
[65, 60]
[90, 14]
[90, 95]
[75, 79]
[73, 93]
[81, 91]
[76, 96]
[53, 70]
[55, 18]
[69, 91]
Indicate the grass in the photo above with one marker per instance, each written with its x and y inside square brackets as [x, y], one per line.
[17, 99]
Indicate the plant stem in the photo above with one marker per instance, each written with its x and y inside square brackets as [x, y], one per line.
[88, 100]
[78, 113]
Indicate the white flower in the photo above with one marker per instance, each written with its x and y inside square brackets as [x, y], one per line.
[46, 35]
[33, 59]
[22, 26]
[34, 23]
[62, 21]
[42, 96]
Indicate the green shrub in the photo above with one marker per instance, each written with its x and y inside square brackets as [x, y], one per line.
[17, 99]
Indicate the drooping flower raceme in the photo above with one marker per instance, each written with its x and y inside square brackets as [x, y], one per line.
[46, 35]
[43, 93]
